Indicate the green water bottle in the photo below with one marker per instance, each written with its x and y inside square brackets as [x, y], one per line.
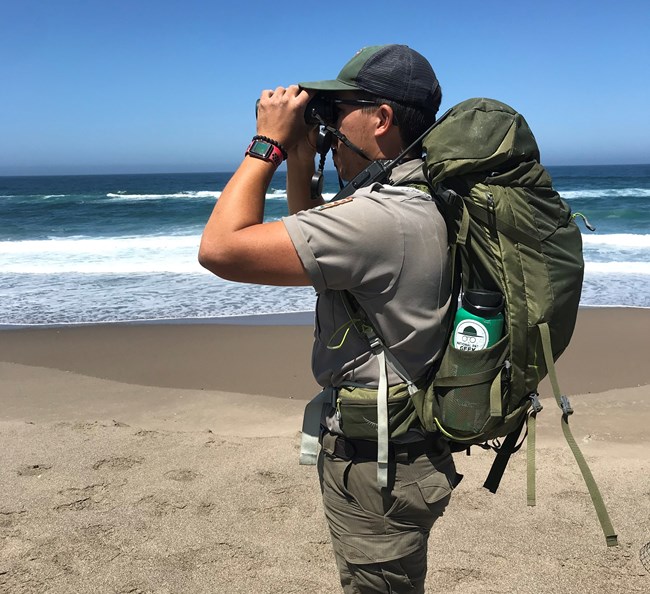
[479, 322]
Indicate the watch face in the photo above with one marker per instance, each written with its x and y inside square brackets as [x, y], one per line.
[261, 148]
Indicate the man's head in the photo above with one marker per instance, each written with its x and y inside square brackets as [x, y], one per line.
[405, 96]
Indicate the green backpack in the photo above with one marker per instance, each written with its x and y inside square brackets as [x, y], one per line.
[509, 232]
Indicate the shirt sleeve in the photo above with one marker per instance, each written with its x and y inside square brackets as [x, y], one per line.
[355, 244]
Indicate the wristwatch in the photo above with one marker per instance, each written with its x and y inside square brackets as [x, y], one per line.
[266, 151]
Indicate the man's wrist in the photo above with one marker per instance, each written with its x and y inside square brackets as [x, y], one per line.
[273, 142]
[266, 149]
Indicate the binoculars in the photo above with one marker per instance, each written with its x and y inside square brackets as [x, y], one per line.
[318, 105]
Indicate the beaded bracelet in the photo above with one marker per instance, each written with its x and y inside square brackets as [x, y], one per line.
[273, 142]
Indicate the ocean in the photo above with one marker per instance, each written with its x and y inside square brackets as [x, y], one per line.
[108, 248]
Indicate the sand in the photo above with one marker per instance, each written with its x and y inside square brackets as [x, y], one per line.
[163, 458]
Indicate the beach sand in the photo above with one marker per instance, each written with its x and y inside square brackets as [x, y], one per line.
[163, 458]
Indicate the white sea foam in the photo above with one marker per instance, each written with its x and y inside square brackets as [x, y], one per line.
[72, 245]
[282, 195]
[618, 240]
[607, 193]
[275, 193]
[120, 196]
[614, 253]
[121, 255]
[134, 266]
[642, 268]
[69, 299]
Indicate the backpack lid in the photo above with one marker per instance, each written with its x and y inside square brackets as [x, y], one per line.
[478, 135]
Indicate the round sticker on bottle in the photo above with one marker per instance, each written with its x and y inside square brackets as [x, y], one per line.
[470, 335]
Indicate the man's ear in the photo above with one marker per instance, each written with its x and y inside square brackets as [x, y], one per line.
[385, 119]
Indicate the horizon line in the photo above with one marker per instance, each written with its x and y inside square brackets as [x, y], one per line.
[232, 171]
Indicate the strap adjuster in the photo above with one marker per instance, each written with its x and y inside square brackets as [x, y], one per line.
[565, 405]
[375, 344]
[537, 405]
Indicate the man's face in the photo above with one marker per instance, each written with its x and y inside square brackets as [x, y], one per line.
[356, 124]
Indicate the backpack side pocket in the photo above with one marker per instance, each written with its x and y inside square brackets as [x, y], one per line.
[465, 401]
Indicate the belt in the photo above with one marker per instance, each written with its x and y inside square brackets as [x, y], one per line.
[361, 449]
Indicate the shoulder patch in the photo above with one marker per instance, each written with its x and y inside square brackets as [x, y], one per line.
[335, 203]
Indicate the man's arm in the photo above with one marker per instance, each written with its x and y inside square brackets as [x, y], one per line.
[236, 244]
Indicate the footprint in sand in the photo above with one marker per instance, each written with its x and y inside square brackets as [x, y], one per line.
[133, 590]
[205, 508]
[160, 504]
[118, 463]
[9, 518]
[88, 491]
[147, 433]
[33, 469]
[79, 498]
[270, 476]
[76, 505]
[182, 475]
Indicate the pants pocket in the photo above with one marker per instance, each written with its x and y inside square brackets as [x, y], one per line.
[361, 549]
[402, 575]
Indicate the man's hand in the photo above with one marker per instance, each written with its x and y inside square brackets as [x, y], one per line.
[281, 117]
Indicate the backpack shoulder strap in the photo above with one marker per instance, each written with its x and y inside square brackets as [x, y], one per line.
[384, 358]
[365, 327]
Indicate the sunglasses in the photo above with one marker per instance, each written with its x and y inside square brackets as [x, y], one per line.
[356, 102]
[323, 108]
[329, 112]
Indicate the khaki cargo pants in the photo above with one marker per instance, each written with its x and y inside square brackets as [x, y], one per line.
[380, 536]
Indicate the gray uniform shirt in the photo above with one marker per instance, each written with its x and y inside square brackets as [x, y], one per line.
[387, 245]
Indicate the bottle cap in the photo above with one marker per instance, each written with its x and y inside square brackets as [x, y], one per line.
[486, 304]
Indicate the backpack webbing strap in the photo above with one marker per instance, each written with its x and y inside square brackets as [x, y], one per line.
[496, 406]
[463, 230]
[471, 379]
[382, 421]
[531, 498]
[501, 460]
[563, 403]
[311, 427]
[384, 358]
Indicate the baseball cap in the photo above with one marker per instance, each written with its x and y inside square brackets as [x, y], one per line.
[394, 72]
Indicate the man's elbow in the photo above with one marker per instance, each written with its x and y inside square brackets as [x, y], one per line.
[219, 261]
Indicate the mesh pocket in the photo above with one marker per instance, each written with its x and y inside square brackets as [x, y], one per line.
[462, 388]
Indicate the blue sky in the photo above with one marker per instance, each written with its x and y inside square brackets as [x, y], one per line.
[146, 86]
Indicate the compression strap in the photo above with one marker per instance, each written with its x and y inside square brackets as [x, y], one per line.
[563, 403]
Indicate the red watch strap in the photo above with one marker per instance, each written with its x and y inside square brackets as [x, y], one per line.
[274, 156]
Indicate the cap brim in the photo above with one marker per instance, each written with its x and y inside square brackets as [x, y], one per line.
[328, 85]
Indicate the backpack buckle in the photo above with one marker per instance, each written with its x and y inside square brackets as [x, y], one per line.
[376, 344]
[565, 405]
[537, 405]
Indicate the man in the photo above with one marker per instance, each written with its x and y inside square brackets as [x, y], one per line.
[384, 250]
